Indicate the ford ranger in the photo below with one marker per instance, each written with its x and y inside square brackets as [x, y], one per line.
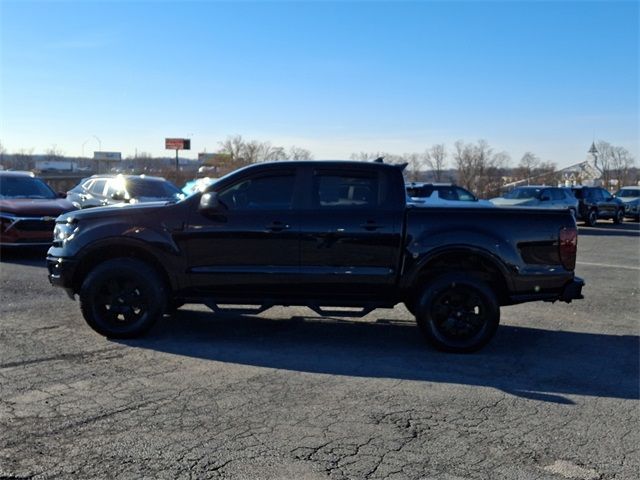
[322, 234]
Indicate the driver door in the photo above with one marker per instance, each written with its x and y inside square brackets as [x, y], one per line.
[251, 242]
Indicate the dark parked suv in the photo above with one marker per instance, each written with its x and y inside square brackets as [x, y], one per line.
[595, 203]
[103, 190]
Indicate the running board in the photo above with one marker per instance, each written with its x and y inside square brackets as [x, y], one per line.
[325, 311]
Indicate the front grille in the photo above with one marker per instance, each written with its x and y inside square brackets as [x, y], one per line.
[35, 225]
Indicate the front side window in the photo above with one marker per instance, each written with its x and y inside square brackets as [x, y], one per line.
[336, 190]
[267, 192]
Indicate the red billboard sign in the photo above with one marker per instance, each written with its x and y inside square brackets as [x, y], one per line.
[177, 144]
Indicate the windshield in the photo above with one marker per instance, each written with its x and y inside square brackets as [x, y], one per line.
[521, 193]
[152, 188]
[628, 192]
[24, 187]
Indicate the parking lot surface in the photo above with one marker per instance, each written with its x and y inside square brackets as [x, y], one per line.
[288, 394]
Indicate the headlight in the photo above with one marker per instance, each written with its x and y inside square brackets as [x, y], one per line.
[63, 233]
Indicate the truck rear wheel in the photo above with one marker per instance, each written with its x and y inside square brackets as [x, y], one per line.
[122, 298]
[458, 313]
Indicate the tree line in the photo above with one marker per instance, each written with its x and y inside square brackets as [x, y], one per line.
[474, 165]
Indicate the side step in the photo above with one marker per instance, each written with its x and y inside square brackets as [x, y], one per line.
[360, 310]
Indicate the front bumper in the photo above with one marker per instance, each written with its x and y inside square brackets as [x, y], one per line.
[61, 272]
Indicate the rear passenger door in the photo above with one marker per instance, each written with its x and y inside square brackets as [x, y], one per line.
[350, 232]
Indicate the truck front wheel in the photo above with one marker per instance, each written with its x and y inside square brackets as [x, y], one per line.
[122, 298]
[458, 313]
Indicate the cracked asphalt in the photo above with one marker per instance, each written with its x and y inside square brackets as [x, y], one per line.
[289, 395]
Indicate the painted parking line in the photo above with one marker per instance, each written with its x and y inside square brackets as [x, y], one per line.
[608, 265]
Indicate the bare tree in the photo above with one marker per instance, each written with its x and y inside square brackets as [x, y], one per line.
[414, 163]
[479, 169]
[297, 153]
[529, 163]
[53, 153]
[23, 160]
[621, 164]
[603, 161]
[233, 146]
[436, 158]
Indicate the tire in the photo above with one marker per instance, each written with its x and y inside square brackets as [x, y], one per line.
[410, 305]
[458, 313]
[619, 216]
[122, 298]
[592, 218]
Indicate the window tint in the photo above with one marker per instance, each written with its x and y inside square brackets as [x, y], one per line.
[556, 194]
[98, 187]
[272, 192]
[346, 189]
[24, 187]
[422, 191]
[447, 193]
[138, 187]
[464, 195]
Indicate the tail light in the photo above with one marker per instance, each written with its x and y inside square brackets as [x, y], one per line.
[568, 246]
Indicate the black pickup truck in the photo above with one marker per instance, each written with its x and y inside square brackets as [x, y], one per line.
[326, 235]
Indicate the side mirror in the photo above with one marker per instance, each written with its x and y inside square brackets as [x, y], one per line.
[545, 198]
[209, 202]
[118, 196]
[62, 195]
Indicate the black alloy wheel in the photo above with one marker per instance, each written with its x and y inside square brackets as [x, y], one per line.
[458, 313]
[592, 217]
[122, 298]
[619, 217]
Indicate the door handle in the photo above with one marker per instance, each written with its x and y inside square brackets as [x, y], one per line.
[278, 227]
[371, 225]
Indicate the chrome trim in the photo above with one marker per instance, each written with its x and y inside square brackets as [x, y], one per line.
[15, 219]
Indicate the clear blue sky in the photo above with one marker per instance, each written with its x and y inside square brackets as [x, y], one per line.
[335, 78]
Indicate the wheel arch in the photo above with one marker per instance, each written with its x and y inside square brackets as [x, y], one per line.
[123, 248]
[471, 260]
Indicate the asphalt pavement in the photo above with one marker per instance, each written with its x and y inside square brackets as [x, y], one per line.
[290, 395]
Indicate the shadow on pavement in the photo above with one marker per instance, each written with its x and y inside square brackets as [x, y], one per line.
[527, 362]
[627, 229]
[29, 256]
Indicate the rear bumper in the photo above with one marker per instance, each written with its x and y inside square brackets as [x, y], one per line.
[572, 290]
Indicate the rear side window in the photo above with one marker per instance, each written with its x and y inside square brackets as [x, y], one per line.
[266, 192]
[98, 187]
[464, 195]
[447, 193]
[346, 189]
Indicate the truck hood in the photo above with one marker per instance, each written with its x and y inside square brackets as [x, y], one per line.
[120, 209]
[32, 207]
[519, 202]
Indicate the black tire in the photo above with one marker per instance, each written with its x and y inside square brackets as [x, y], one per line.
[592, 218]
[458, 313]
[410, 305]
[122, 298]
[619, 216]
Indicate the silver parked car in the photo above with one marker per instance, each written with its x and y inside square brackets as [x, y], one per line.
[630, 196]
[539, 196]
